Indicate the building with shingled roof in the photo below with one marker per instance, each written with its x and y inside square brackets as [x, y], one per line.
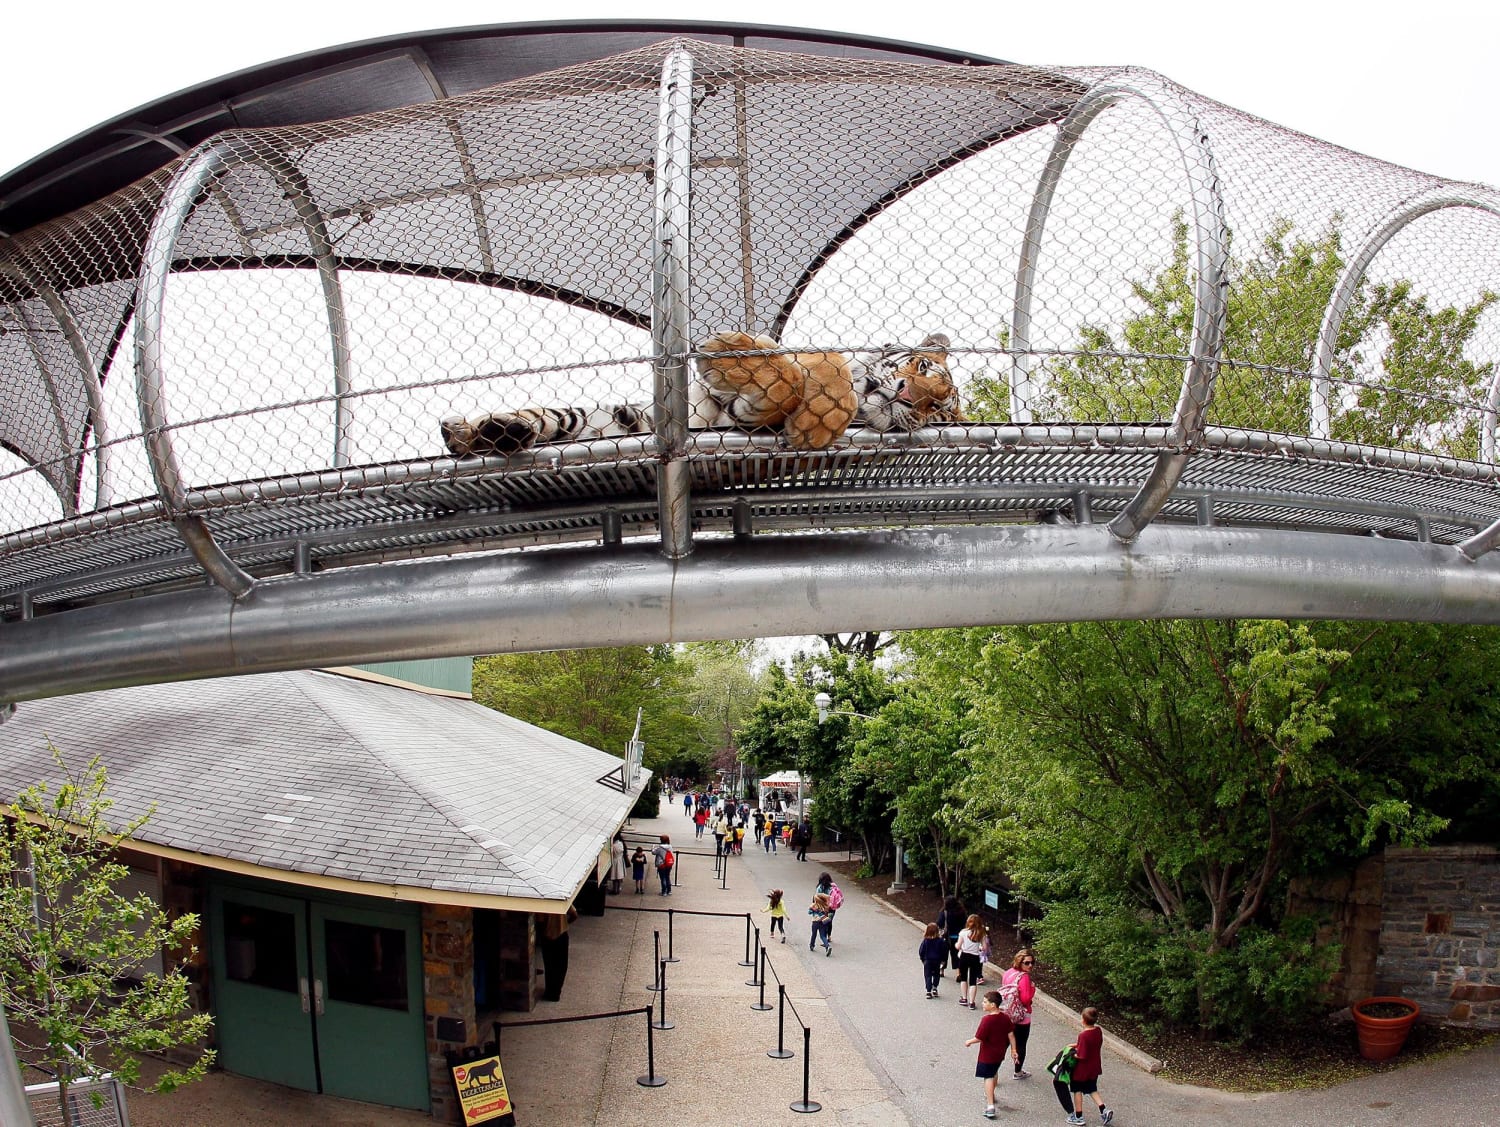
[375, 863]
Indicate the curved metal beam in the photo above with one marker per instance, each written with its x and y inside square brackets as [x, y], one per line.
[151, 293]
[25, 273]
[64, 486]
[1211, 233]
[177, 204]
[1347, 285]
[671, 311]
[772, 585]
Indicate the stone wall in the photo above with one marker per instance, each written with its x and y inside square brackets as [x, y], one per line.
[448, 991]
[1421, 923]
[1348, 907]
[1440, 932]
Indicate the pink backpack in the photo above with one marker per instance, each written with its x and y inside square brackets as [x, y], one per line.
[1010, 997]
[835, 897]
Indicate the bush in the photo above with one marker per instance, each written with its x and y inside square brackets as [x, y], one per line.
[649, 804]
[1269, 979]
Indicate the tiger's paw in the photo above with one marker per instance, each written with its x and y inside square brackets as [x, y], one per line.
[751, 391]
[828, 402]
[489, 435]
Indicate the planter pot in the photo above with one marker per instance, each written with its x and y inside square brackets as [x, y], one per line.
[1381, 1029]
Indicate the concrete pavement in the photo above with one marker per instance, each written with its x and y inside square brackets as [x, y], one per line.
[883, 1055]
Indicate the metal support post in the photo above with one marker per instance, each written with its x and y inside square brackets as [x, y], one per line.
[651, 1079]
[749, 959]
[806, 1105]
[899, 884]
[661, 976]
[671, 333]
[656, 960]
[762, 1004]
[671, 920]
[754, 965]
[780, 1052]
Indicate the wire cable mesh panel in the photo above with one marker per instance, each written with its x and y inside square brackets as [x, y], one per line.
[696, 288]
[91, 1103]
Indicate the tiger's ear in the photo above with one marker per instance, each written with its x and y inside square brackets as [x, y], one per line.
[936, 342]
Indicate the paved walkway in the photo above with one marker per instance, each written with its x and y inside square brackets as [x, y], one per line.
[883, 1055]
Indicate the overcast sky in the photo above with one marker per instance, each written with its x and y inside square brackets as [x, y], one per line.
[1411, 83]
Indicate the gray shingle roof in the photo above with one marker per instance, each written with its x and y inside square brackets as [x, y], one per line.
[331, 776]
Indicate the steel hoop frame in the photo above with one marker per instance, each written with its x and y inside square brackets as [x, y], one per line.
[1211, 236]
[671, 312]
[194, 179]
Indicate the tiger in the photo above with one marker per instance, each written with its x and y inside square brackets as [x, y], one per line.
[812, 397]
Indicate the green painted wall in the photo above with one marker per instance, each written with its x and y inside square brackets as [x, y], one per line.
[456, 674]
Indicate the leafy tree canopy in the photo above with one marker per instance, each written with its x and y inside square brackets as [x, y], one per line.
[593, 696]
[1425, 393]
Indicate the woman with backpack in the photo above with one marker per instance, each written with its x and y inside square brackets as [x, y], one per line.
[1016, 995]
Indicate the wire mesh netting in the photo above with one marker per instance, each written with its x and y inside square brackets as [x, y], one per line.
[849, 291]
[91, 1103]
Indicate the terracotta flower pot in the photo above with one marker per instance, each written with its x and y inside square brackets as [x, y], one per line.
[1381, 1035]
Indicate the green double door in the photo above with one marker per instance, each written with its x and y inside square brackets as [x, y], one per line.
[323, 995]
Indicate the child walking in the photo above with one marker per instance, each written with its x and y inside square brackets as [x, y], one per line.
[933, 952]
[822, 917]
[994, 1032]
[778, 913]
[638, 869]
[1085, 1078]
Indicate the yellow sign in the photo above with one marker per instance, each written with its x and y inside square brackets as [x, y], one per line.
[481, 1092]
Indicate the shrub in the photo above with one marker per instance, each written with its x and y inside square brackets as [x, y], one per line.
[649, 804]
[1268, 979]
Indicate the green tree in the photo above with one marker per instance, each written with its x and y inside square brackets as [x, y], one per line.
[593, 696]
[1167, 777]
[783, 733]
[72, 946]
[1426, 393]
[722, 690]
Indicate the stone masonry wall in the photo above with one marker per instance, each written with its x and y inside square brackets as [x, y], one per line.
[1348, 907]
[448, 990]
[1440, 932]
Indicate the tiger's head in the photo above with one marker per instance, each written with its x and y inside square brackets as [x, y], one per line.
[906, 389]
[928, 384]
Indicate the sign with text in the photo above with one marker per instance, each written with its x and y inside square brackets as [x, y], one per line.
[482, 1094]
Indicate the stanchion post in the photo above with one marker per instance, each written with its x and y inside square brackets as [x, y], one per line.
[755, 963]
[671, 919]
[806, 1105]
[662, 977]
[780, 1052]
[747, 961]
[656, 962]
[651, 1079]
[762, 1004]
[724, 874]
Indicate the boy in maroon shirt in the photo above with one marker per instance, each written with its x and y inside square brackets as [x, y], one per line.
[995, 1029]
[1085, 1078]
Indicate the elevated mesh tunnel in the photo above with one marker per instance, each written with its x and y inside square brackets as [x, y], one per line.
[697, 291]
